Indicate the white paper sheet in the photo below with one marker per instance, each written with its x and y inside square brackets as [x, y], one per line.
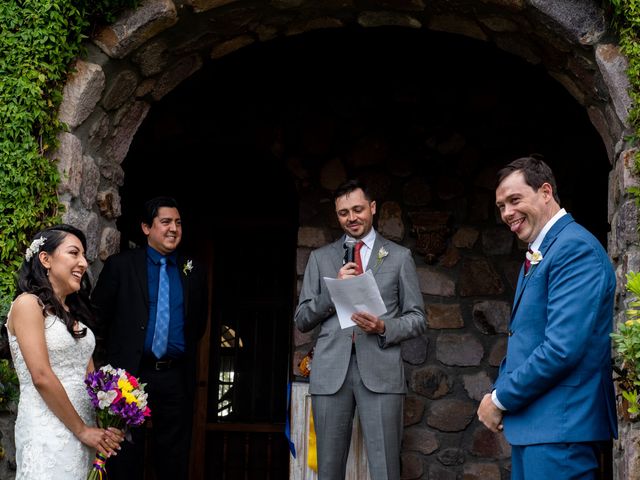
[357, 294]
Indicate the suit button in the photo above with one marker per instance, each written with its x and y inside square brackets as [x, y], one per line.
[141, 327]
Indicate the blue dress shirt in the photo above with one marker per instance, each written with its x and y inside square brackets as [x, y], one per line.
[176, 343]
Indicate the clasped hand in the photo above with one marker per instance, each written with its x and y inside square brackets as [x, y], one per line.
[489, 414]
[105, 440]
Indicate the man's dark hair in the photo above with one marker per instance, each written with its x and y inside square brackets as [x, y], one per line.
[152, 206]
[535, 172]
[349, 186]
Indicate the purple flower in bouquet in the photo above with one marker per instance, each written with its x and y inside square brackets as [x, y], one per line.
[120, 401]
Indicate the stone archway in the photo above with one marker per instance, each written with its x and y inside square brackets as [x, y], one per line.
[149, 52]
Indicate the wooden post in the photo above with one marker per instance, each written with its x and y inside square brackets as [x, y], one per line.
[357, 463]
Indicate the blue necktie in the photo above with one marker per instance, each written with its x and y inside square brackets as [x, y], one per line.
[161, 334]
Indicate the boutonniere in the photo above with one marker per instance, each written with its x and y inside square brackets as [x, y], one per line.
[381, 254]
[187, 267]
[534, 257]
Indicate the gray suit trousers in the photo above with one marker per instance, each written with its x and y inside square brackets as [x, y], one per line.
[381, 421]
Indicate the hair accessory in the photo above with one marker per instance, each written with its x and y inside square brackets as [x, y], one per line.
[34, 248]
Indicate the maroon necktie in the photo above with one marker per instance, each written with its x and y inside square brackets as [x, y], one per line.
[358, 259]
[527, 262]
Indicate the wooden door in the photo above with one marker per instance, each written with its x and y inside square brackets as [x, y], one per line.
[244, 362]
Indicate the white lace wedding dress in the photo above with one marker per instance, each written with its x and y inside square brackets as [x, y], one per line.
[45, 448]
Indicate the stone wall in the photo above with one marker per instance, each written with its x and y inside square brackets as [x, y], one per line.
[467, 264]
[149, 51]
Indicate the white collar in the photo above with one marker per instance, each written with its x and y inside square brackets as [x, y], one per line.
[369, 239]
[535, 245]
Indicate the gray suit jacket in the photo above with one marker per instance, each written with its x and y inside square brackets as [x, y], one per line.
[379, 359]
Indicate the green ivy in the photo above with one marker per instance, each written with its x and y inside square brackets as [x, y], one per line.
[39, 39]
[9, 386]
[626, 342]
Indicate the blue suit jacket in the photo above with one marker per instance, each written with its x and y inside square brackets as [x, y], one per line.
[556, 379]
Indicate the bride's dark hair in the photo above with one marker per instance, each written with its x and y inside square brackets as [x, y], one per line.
[32, 278]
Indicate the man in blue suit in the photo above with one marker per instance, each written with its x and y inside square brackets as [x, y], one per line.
[554, 395]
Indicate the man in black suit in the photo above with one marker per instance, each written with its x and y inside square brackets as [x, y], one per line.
[126, 297]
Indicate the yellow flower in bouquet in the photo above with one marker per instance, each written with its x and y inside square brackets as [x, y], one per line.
[120, 401]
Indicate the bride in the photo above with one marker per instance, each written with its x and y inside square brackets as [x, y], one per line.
[52, 347]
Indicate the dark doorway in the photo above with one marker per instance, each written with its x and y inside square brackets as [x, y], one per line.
[244, 224]
[249, 354]
[254, 289]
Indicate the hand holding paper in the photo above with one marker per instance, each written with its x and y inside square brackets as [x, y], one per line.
[357, 294]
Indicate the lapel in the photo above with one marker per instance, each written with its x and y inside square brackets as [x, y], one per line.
[338, 258]
[374, 264]
[549, 240]
[184, 279]
[139, 267]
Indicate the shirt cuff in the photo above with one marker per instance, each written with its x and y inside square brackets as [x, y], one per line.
[495, 400]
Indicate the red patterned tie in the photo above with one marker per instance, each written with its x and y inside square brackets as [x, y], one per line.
[527, 262]
[358, 259]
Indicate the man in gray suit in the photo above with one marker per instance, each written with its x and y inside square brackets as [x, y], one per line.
[360, 365]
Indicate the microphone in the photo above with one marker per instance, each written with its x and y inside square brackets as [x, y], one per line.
[350, 251]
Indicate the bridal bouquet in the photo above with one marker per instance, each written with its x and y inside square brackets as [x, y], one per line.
[120, 402]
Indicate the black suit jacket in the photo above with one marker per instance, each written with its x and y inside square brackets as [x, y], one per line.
[121, 299]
